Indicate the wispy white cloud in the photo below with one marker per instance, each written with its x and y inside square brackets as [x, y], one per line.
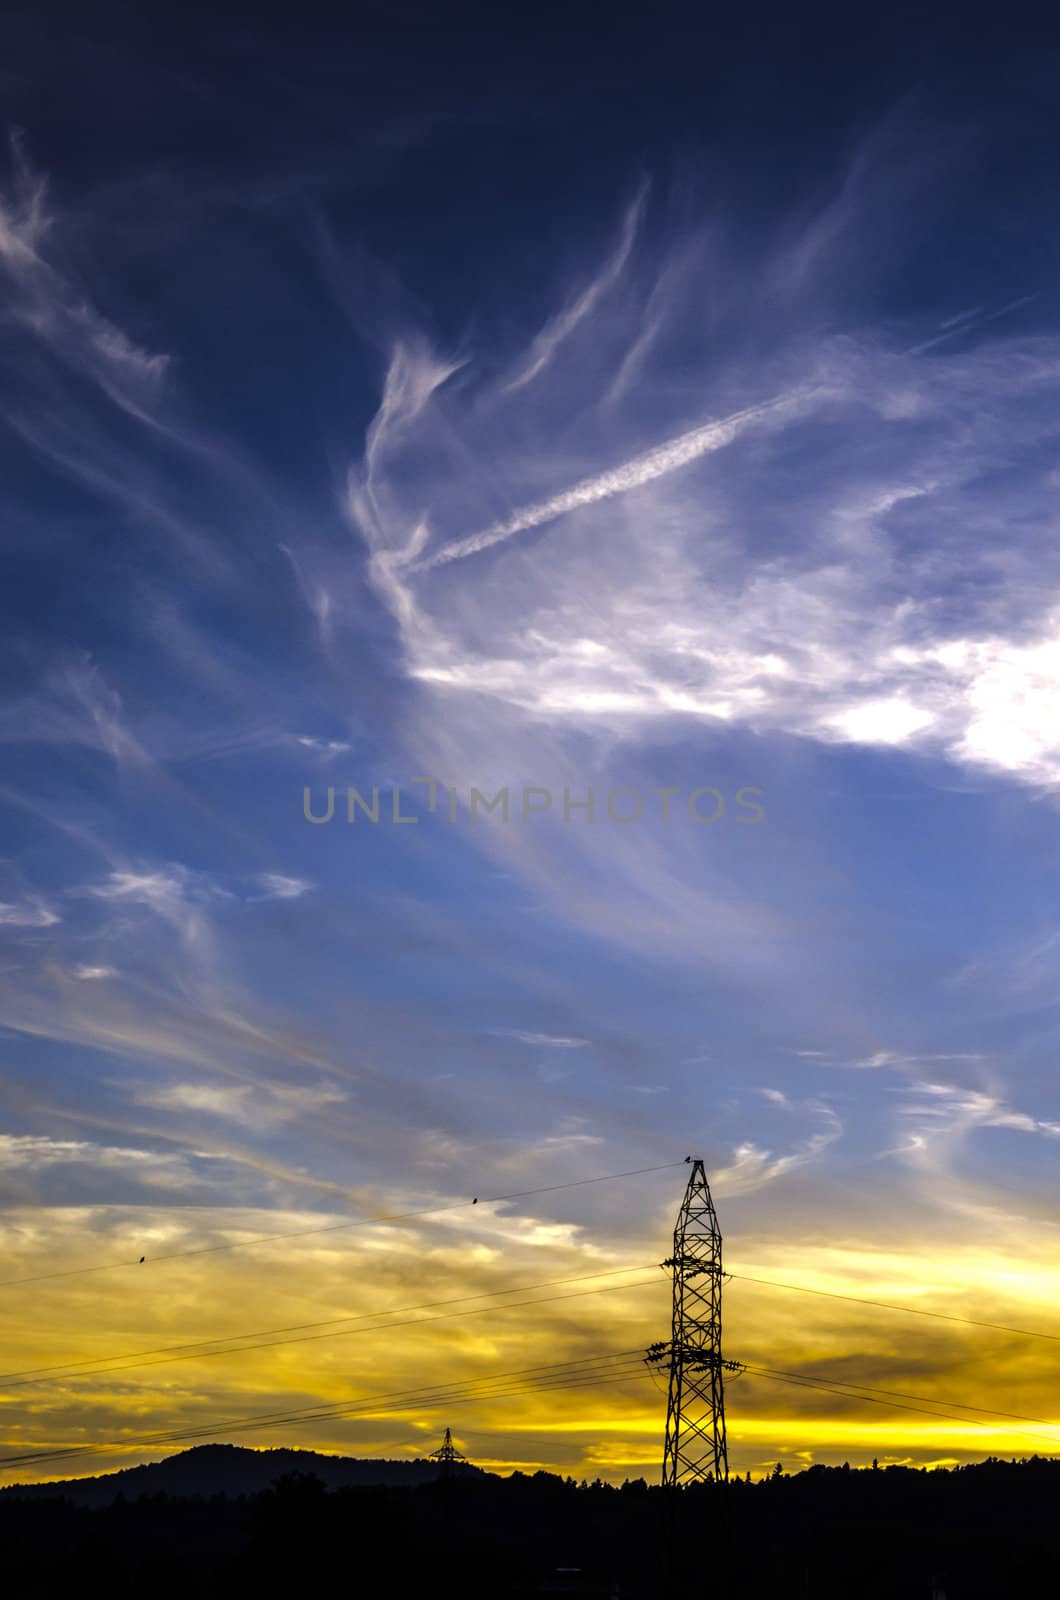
[941, 1116]
[35, 915]
[328, 747]
[549, 1040]
[560, 326]
[278, 886]
[172, 893]
[1020, 974]
[34, 1153]
[73, 705]
[753, 1165]
[572, 1141]
[895, 1059]
[776, 1097]
[790, 565]
[51, 308]
[261, 1105]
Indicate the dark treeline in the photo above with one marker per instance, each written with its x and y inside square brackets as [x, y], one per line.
[977, 1531]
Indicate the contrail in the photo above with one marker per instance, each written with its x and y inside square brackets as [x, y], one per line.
[655, 463]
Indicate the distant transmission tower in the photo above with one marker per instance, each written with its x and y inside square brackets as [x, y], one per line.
[695, 1412]
[446, 1454]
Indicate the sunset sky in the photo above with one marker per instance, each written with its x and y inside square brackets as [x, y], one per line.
[668, 416]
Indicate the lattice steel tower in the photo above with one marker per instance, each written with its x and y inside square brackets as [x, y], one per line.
[695, 1412]
[446, 1454]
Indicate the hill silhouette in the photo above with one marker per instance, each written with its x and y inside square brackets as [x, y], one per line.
[232, 1470]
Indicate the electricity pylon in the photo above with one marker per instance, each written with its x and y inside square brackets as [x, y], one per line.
[695, 1412]
[446, 1454]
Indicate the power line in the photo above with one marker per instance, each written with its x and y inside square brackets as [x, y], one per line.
[432, 1397]
[844, 1388]
[556, 1374]
[417, 1394]
[195, 1352]
[901, 1394]
[592, 1371]
[634, 1374]
[876, 1397]
[232, 1344]
[235, 1344]
[631, 1368]
[888, 1305]
[333, 1227]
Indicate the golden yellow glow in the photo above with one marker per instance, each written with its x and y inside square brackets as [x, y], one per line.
[612, 1430]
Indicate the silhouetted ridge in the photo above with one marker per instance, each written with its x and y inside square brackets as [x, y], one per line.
[229, 1469]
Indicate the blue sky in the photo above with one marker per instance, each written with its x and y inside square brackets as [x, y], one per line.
[530, 412]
